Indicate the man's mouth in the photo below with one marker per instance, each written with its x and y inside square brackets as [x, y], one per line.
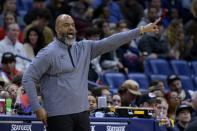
[70, 35]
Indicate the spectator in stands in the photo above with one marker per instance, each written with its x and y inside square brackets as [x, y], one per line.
[116, 99]
[147, 100]
[122, 24]
[132, 11]
[82, 14]
[157, 90]
[12, 89]
[190, 28]
[10, 5]
[4, 94]
[11, 44]
[130, 57]
[101, 91]
[150, 17]
[154, 44]
[102, 13]
[33, 42]
[57, 7]
[81, 9]
[128, 91]
[174, 84]
[9, 18]
[193, 124]
[31, 15]
[105, 28]
[115, 13]
[41, 22]
[92, 102]
[8, 63]
[175, 37]
[161, 12]
[158, 83]
[183, 117]
[18, 104]
[161, 114]
[174, 101]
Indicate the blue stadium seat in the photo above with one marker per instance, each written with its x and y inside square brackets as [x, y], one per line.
[114, 79]
[160, 66]
[141, 78]
[147, 68]
[181, 67]
[194, 67]
[160, 77]
[187, 83]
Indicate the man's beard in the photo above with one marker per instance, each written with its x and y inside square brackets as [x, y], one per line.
[67, 40]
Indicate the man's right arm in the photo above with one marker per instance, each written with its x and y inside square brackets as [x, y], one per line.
[116, 40]
[35, 71]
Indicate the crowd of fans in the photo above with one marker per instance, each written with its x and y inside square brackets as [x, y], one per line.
[95, 20]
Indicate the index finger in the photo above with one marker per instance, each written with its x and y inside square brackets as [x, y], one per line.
[157, 21]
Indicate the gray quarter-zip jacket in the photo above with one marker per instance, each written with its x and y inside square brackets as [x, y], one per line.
[63, 76]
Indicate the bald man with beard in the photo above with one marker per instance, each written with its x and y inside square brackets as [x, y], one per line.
[62, 70]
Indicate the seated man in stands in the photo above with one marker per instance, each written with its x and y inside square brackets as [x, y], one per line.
[128, 92]
[11, 44]
[174, 84]
[8, 63]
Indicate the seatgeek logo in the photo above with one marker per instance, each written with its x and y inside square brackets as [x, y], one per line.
[15, 127]
[111, 128]
[115, 128]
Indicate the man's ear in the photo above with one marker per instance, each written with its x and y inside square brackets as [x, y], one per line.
[58, 29]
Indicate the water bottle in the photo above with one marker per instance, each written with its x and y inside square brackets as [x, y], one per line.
[8, 106]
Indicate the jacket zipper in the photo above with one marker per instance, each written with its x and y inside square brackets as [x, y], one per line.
[70, 56]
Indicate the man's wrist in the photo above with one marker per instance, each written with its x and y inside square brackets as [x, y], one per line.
[141, 30]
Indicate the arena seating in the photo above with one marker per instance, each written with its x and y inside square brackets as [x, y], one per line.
[160, 66]
[181, 67]
[158, 69]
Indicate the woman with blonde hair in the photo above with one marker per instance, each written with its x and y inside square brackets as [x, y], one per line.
[175, 37]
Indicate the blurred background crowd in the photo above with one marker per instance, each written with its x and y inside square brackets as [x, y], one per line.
[154, 70]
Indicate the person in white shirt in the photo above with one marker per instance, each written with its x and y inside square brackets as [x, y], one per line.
[11, 44]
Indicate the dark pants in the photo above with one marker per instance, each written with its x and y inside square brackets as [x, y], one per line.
[71, 122]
